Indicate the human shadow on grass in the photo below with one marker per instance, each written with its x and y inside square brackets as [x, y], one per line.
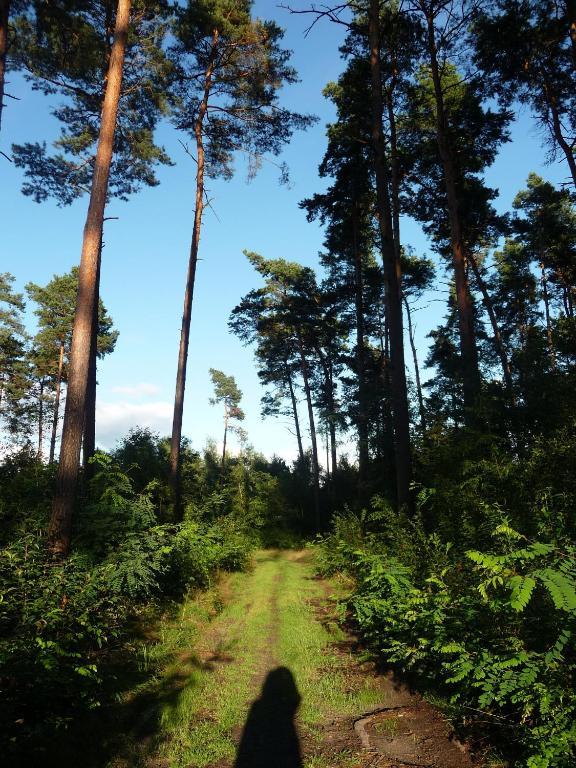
[269, 737]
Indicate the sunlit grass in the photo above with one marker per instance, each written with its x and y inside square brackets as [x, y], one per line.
[214, 654]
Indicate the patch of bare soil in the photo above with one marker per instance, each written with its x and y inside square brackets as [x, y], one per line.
[404, 731]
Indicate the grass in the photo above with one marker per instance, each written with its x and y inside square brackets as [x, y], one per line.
[207, 661]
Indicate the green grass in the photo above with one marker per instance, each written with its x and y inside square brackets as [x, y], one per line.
[211, 658]
[306, 649]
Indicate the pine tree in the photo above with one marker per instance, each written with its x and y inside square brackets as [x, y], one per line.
[56, 303]
[226, 392]
[74, 415]
[230, 68]
[14, 361]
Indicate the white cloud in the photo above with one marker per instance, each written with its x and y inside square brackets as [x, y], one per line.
[114, 420]
[142, 389]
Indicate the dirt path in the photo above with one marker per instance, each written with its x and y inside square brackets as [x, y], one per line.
[273, 683]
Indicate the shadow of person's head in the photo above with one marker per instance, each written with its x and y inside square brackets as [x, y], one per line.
[280, 690]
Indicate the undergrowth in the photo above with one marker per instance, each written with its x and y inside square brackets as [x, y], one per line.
[62, 623]
[494, 629]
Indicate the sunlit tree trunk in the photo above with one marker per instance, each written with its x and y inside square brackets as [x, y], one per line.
[313, 439]
[89, 447]
[62, 507]
[176, 439]
[468, 349]
[295, 414]
[392, 272]
[56, 404]
[421, 409]
[225, 435]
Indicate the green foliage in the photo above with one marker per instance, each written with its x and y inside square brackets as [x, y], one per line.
[62, 622]
[497, 639]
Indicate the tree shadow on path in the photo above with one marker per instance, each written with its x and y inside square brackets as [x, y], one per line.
[269, 737]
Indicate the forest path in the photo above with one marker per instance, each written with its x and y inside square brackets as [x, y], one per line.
[272, 682]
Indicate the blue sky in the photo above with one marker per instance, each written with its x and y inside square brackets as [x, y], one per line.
[146, 251]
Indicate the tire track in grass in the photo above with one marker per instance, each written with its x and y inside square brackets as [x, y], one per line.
[198, 729]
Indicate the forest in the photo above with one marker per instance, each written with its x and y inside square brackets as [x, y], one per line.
[401, 585]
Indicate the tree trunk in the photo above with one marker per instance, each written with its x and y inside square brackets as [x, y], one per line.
[295, 414]
[392, 273]
[315, 467]
[567, 149]
[506, 370]
[41, 419]
[421, 409]
[175, 443]
[4, 16]
[362, 419]
[225, 436]
[56, 404]
[546, 299]
[90, 415]
[62, 507]
[468, 350]
[329, 384]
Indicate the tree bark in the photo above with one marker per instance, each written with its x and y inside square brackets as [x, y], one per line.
[41, 419]
[225, 436]
[62, 507]
[56, 404]
[4, 16]
[468, 349]
[546, 299]
[90, 415]
[362, 419]
[295, 414]
[176, 439]
[506, 370]
[421, 409]
[566, 148]
[392, 273]
[315, 467]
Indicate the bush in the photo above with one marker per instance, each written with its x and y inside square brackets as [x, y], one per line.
[60, 621]
[493, 630]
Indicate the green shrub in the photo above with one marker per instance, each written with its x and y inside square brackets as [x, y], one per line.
[60, 621]
[494, 630]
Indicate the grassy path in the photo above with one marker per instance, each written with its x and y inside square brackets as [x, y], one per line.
[269, 623]
[270, 681]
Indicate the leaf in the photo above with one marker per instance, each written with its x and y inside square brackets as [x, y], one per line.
[522, 589]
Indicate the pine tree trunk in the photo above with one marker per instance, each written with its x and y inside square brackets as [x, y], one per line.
[329, 385]
[295, 414]
[176, 439]
[225, 436]
[506, 370]
[315, 467]
[56, 404]
[392, 273]
[41, 419]
[546, 299]
[68, 469]
[421, 409]
[90, 416]
[362, 419]
[468, 349]
[566, 148]
[4, 16]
